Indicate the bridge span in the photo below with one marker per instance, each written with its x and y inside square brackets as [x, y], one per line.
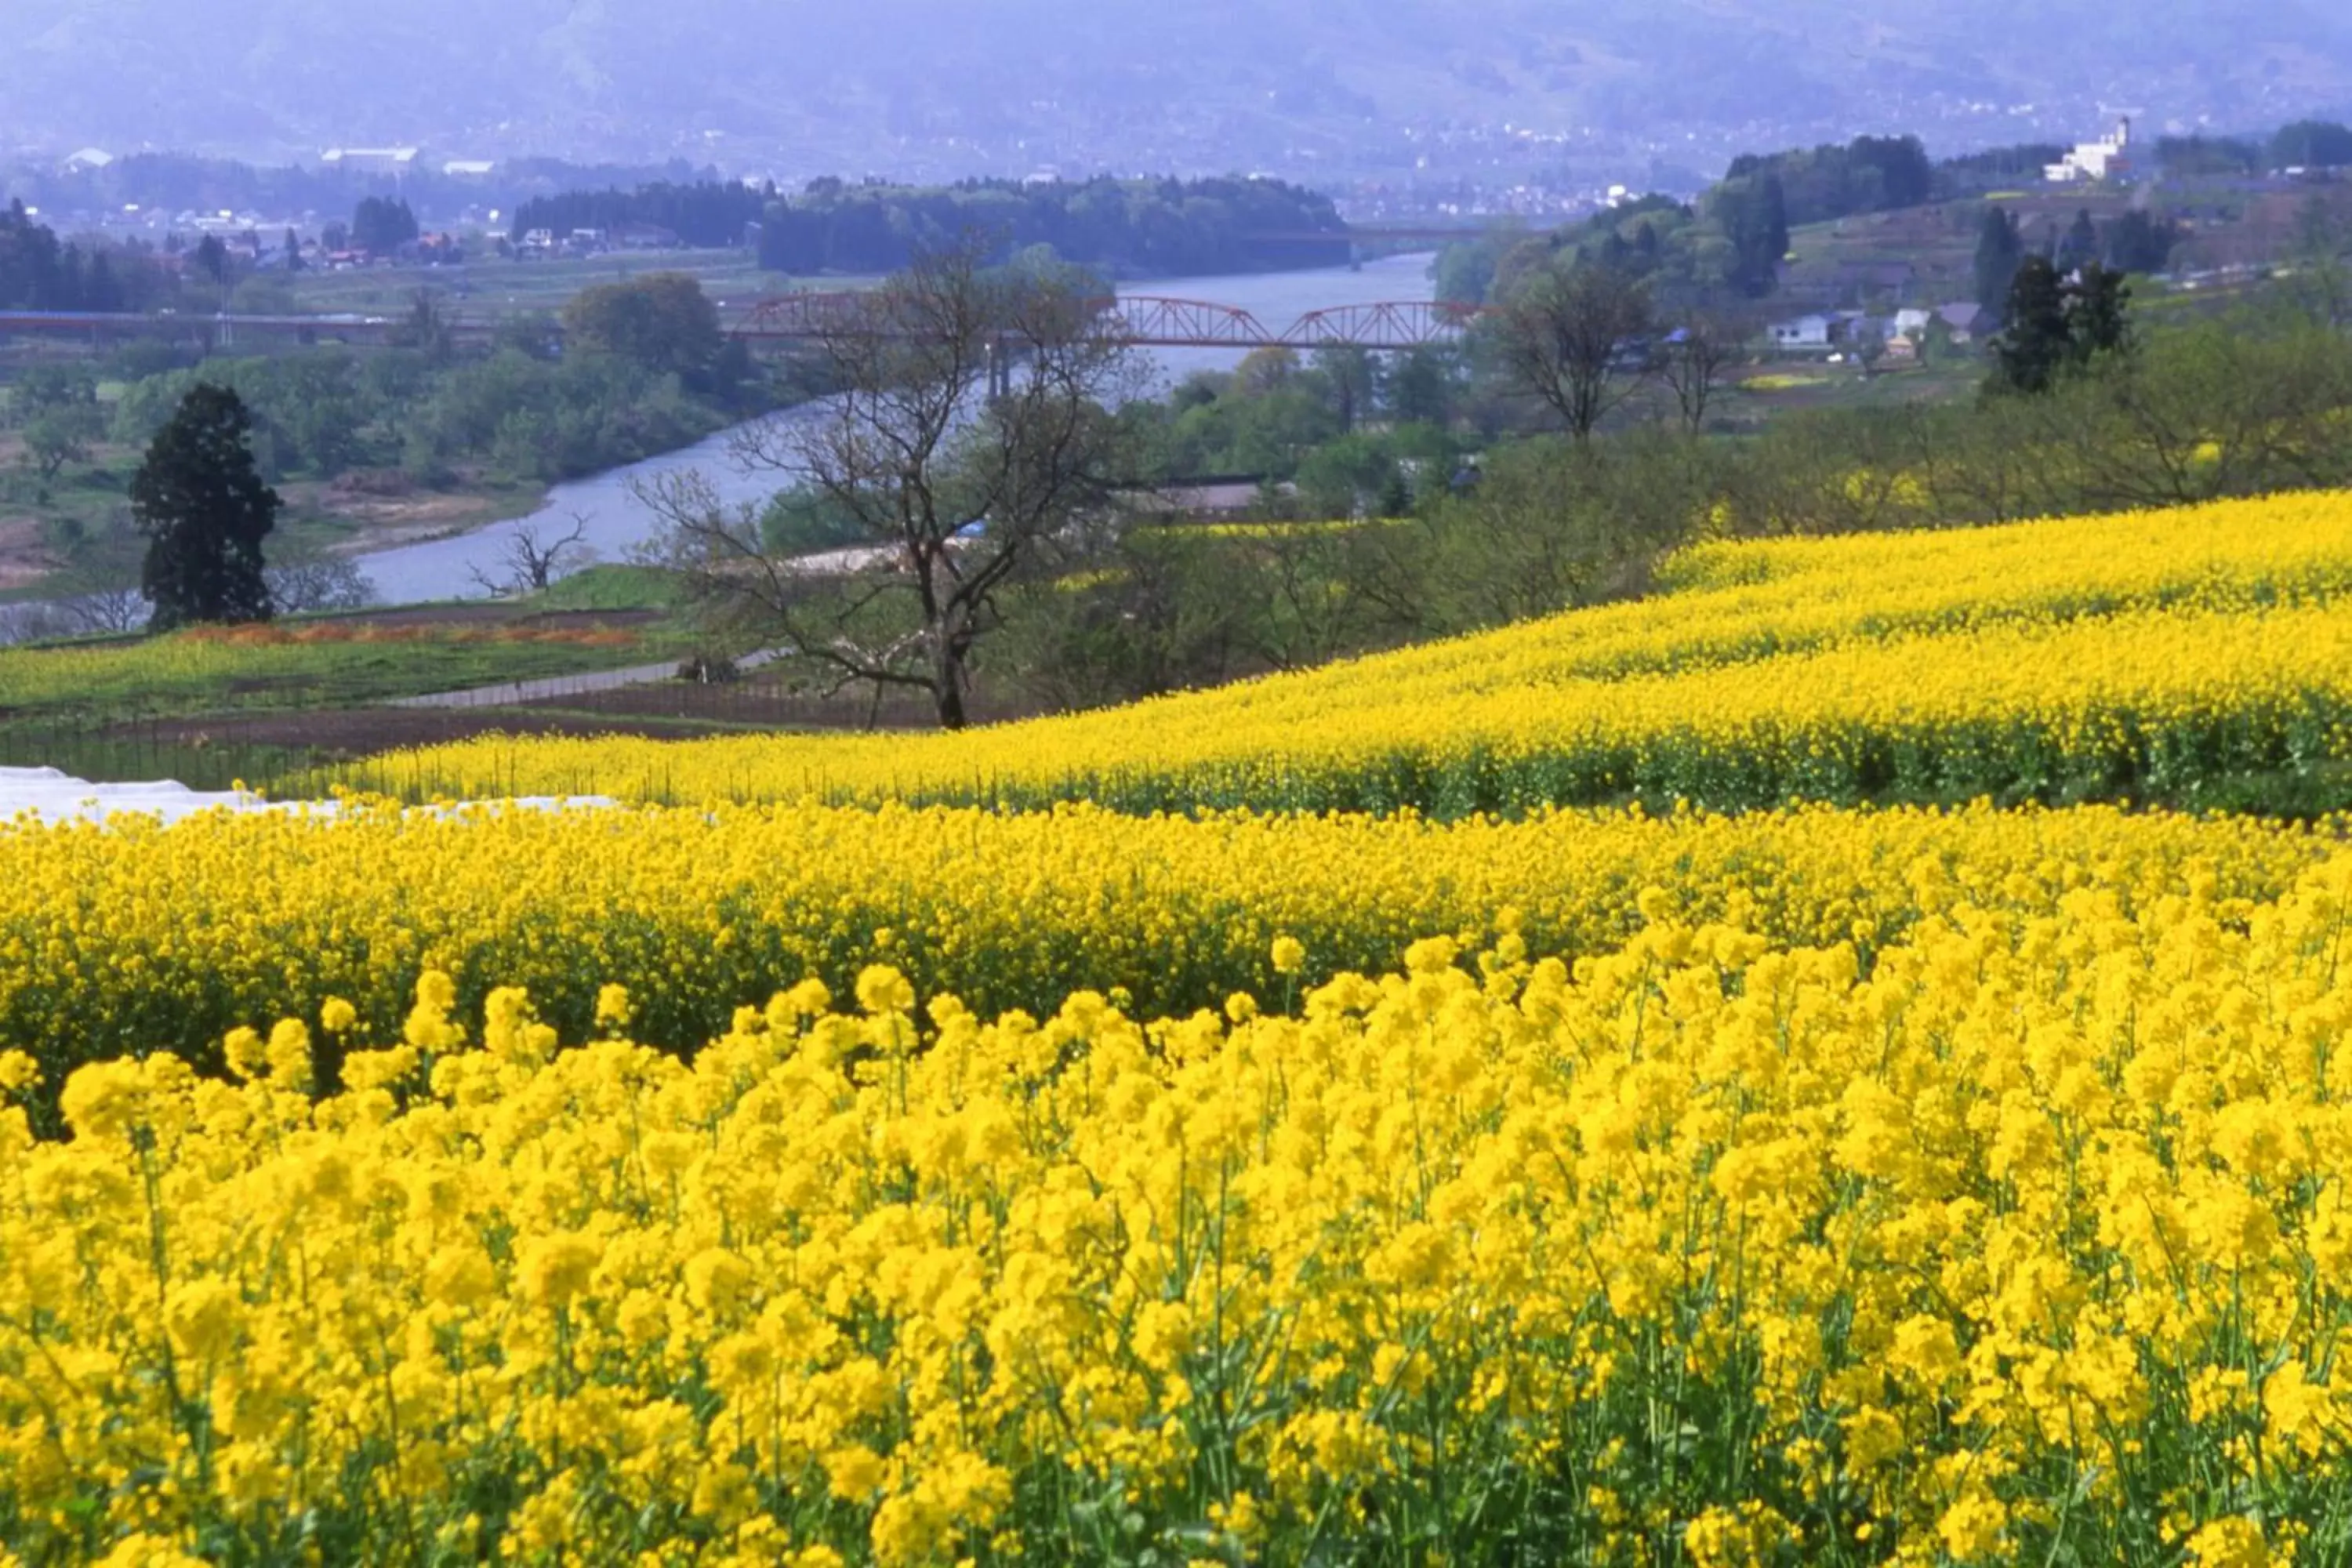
[1136, 320]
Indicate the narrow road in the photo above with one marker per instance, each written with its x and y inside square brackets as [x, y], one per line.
[510, 693]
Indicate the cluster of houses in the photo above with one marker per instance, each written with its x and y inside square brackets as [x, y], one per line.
[1897, 338]
[545, 243]
[261, 247]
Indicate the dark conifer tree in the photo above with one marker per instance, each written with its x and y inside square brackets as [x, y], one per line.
[2038, 340]
[201, 502]
[2098, 318]
[2081, 246]
[2000, 251]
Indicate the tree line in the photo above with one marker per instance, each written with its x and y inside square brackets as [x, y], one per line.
[1151, 227]
[38, 273]
[1731, 241]
[2305, 144]
[709, 213]
[177, 181]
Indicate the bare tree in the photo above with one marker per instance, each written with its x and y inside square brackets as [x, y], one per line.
[306, 580]
[96, 586]
[969, 444]
[1694, 361]
[1573, 339]
[529, 562]
[108, 609]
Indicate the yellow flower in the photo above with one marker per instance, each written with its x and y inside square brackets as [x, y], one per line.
[854, 1474]
[202, 1315]
[102, 1100]
[1973, 1528]
[2231, 1542]
[883, 990]
[555, 1269]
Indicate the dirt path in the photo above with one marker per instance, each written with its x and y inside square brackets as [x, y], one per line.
[507, 694]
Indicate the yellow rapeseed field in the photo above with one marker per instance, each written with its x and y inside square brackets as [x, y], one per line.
[839, 1167]
[2026, 1242]
[2140, 656]
[128, 938]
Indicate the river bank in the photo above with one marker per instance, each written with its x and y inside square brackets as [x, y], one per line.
[614, 522]
[428, 545]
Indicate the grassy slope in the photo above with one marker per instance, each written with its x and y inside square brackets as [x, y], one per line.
[322, 664]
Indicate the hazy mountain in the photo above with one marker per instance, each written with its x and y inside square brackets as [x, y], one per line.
[948, 86]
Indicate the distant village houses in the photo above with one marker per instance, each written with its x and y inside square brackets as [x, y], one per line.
[1902, 334]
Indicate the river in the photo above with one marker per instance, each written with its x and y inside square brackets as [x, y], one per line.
[617, 523]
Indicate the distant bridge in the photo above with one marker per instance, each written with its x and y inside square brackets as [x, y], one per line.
[1368, 235]
[1149, 321]
[1137, 320]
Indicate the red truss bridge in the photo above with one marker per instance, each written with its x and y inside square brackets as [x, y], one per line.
[1149, 321]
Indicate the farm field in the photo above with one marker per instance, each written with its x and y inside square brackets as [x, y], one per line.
[321, 663]
[1841, 1061]
[2193, 658]
[210, 706]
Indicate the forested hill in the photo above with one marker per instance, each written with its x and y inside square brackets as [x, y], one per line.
[1147, 228]
[941, 88]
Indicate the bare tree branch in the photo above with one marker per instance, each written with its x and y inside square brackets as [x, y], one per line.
[1572, 340]
[1693, 360]
[526, 564]
[968, 442]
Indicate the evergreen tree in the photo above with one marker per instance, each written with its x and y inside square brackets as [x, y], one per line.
[2056, 326]
[2080, 248]
[2098, 318]
[212, 259]
[383, 224]
[201, 504]
[2138, 243]
[1754, 212]
[100, 292]
[2000, 251]
[2312, 144]
[2038, 341]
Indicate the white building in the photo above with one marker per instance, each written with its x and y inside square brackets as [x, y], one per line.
[2092, 162]
[378, 160]
[1803, 333]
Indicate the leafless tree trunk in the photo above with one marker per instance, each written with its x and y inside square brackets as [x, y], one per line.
[528, 564]
[1573, 340]
[1693, 362]
[971, 443]
[306, 580]
[115, 607]
[97, 589]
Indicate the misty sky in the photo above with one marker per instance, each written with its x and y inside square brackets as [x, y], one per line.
[1004, 85]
